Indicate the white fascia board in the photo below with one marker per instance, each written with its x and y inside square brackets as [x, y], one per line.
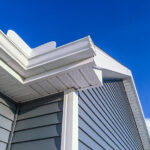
[105, 62]
[68, 50]
[43, 49]
[17, 49]
[69, 136]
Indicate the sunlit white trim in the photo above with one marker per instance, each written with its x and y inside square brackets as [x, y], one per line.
[27, 58]
[105, 62]
[69, 136]
[26, 50]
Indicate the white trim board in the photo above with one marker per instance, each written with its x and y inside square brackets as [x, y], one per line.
[29, 58]
[69, 134]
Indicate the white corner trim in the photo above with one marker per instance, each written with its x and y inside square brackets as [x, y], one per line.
[69, 136]
[99, 75]
[137, 111]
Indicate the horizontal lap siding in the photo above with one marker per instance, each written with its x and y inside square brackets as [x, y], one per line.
[39, 124]
[7, 113]
[106, 120]
[3, 146]
[45, 144]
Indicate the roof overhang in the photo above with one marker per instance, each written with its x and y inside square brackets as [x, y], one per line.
[27, 74]
[38, 72]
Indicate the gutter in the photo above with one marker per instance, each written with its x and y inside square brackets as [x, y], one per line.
[39, 56]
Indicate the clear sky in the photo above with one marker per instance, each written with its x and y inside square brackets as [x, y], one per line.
[120, 27]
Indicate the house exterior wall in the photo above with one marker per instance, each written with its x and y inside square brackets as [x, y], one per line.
[39, 124]
[7, 114]
[106, 120]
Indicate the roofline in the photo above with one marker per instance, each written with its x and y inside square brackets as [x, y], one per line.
[96, 57]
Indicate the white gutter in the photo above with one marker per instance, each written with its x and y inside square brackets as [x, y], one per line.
[27, 58]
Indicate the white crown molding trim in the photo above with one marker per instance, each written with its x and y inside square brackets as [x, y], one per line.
[69, 136]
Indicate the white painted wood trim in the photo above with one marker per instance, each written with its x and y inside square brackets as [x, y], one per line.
[105, 62]
[69, 137]
[27, 58]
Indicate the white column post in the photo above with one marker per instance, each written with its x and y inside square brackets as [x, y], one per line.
[69, 137]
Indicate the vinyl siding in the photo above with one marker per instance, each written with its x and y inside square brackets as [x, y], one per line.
[39, 124]
[106, 120]
[7, 113]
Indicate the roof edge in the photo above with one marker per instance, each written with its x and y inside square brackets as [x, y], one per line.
[28, 58]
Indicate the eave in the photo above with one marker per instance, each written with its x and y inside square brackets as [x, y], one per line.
[30, 75]
[26, 75]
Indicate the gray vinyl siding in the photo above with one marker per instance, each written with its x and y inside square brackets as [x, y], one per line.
[7, 113]
[39, 124]
[106, 120]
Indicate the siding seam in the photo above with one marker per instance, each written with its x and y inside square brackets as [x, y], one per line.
[13, 128]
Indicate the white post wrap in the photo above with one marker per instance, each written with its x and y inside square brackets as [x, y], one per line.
[69, 137]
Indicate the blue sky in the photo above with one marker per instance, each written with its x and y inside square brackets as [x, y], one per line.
[120, 28]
